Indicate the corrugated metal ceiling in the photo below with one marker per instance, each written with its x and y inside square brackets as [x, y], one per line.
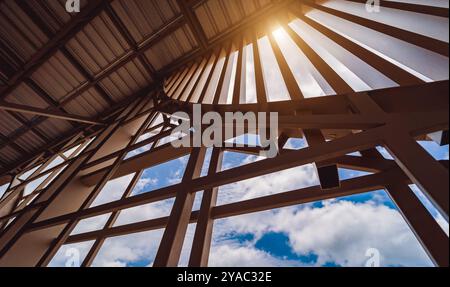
[51, 59]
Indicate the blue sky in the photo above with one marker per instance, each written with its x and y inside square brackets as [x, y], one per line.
[333, 232]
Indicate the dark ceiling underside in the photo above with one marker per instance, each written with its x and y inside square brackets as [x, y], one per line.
[73, 69]
[63, 73]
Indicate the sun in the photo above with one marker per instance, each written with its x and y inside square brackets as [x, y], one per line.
[279, 34]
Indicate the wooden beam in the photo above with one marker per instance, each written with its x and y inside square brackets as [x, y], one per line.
[425, 42]
[194, 24]
[169, 250]
[203, 231]
[389, 69]
[46, 113]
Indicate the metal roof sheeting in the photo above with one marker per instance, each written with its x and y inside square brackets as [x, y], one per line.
[52, 128]
[143, 17]
[89, 104]
[27, 37]
[172, 47]
[58, 77]
[127, 80]
[98, 44]
[8, 124]
[216, 16]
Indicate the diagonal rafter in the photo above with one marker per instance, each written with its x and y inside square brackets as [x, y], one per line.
[193, 23]
[46, 113]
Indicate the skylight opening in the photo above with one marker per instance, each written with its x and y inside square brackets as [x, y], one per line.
[384, 152]
[273, 80]
[170, 138]
[198, 200]
[35, 184]
[295, 143]
[157, 121]
[310, 81]
[138, 151]
[183, 84]
[30, 201]
[54, 174]
[192, 82]
[413, 59]
[58, 160]
[247, 139]
[235, 159]
[202, 82]
[28, 173]
[435, 150]
[71, 152]
[214, 81]
[354, 71]
[172, 90]
[356, 153]
[435, 27]
[250, 80]
[346, 173]
[226, 94]
[9, 222]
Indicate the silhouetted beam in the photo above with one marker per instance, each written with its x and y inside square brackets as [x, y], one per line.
[328, 173]
[394, 72]
[193, 23]
[428, 43]
[46, 113]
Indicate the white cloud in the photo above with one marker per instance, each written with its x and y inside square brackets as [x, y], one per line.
[113, 190]
[232, 254]
[91, 224]
[289, 179]
[145, 212]
[143, 183]
[175, 177]
[340, 232]
[119, 251]
[71, 255]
